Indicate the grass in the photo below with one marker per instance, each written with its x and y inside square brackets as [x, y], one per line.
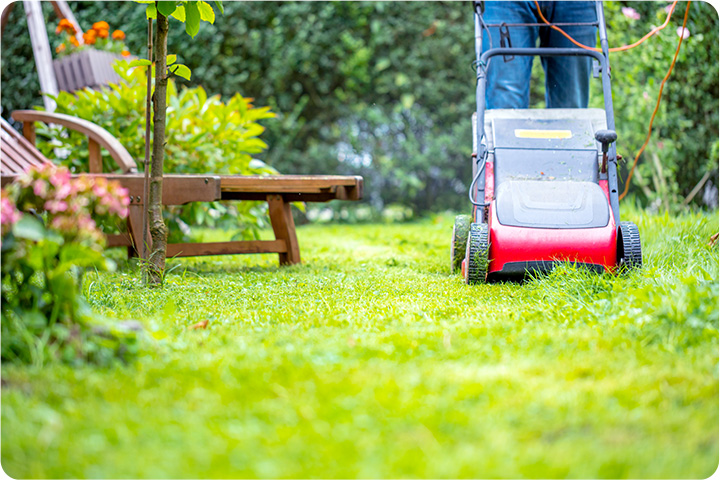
[370, 360]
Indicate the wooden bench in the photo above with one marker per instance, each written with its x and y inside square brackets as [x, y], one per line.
[278, 191]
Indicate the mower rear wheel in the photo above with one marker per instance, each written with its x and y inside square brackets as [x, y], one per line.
[478, 245]
[459, 242]
[629, 250]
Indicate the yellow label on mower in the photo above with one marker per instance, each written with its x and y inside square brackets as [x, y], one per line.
[522, 133]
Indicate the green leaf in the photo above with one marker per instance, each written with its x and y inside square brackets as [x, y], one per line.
[166, 8]
[206, 12]
[179, 13]
[30, 228]
[218, 3]
[140, 62]
[172, 58]
[382, 64]
[151, 11]
[407, 100]
[192, 19]
[181, 71]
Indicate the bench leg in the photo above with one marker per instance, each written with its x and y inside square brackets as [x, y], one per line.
[135, 229]
[284, 227]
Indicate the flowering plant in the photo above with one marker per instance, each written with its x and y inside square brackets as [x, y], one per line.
[98, 37]
[48, 238]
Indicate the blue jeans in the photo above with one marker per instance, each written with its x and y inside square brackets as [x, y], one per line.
[567, 79]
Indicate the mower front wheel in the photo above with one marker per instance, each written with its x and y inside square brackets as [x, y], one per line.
[629, 251]
[478, 246]
[461, 228]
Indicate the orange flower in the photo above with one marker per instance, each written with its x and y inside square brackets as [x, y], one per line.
[118, 35]
[74, 42]
[103, 33]
[89, 37]
[65, 25]
[101, 26]
[60, 48]
[125, 53]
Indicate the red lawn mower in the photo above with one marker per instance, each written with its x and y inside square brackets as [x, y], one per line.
[544, 186]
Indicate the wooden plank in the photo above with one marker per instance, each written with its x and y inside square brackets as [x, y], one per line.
[119, 240]
[177, 189]
[293, 188]
[29, 132]
[7, 180]
[19, 158]
[288, 197]
[41, 51]
[5, 16]
[9, 166]
[94, 132]
[94, 157]
[287, 183]
[11, 137]
[225, 248]
[284, 227]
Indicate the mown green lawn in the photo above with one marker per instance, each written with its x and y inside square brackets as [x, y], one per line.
[370, 360]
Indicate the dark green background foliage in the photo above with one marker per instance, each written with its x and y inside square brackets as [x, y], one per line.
[385, 90]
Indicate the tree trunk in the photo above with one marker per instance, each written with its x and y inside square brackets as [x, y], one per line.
[158, 231]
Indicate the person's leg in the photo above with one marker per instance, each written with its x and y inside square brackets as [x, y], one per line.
[567, 79]
[508, 83]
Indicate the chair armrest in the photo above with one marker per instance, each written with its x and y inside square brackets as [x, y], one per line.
[95, 134]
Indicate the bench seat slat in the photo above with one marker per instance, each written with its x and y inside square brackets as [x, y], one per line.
[300, 187]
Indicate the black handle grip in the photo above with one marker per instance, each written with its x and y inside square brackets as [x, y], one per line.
[606, 137]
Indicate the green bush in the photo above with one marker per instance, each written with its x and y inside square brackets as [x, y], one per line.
[48, 239]
[204, 135]
[684, 142]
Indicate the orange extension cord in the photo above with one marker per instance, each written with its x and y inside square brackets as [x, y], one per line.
[628, 47]
[616, 49]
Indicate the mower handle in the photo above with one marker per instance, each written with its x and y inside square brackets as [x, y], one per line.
[545, 52]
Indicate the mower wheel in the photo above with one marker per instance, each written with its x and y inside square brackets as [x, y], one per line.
[459, 241]
[629, 251]
[477, 253]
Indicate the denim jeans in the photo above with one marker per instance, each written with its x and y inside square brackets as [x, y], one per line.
[567, 79]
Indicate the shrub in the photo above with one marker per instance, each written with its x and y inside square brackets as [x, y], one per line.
[204, 135]
[684, 142]
[48, 238]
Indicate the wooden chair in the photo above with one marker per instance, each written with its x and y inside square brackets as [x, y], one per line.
[18, 153]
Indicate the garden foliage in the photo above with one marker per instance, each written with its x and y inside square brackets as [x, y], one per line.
[48, 239]
[386, 90]
[204, 135]
[684, 144]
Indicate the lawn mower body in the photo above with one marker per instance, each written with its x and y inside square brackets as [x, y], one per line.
[544, 184]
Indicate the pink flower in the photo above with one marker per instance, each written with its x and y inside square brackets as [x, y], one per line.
[55, 206]
[631, 13]
[40, 188]
[63, 191]
[669, 8]
[86, 223]
[60, 177]
[9, 215]
[100, 188]
[683, 32]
